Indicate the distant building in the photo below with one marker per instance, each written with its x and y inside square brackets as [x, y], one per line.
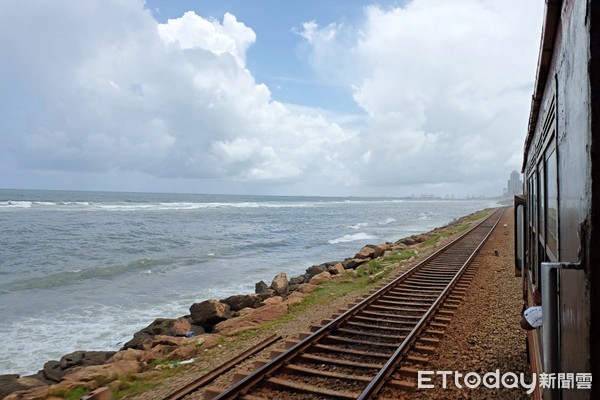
[515, 186]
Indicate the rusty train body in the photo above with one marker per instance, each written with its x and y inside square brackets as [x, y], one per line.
[557, 219]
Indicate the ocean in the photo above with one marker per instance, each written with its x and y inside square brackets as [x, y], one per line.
[86, 270]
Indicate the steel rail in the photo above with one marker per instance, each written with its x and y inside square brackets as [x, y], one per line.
[215, 373]
[386, 371]
[244, 385]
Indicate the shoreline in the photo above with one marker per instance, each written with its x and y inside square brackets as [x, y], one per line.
[212, 322]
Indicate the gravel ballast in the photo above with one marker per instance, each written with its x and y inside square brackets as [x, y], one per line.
[484, 335]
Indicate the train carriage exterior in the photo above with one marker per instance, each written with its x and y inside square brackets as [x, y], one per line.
[557, 243]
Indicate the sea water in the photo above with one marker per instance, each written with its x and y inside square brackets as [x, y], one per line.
[86, 270]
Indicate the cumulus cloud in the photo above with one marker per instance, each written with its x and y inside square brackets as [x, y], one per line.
[192, 31]
[101, 87]
[116, 91]
[446, 86]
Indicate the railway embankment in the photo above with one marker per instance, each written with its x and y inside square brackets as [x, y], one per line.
[168, 352]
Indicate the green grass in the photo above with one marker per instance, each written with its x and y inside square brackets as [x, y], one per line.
[130, 386]
[135, 386]
[446, 233]
[452, 230]
[478, 215]
[74, 394]
[400, 256]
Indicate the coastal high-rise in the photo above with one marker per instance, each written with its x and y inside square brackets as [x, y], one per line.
[515, 186]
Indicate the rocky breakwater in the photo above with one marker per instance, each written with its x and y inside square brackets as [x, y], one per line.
[183, 339]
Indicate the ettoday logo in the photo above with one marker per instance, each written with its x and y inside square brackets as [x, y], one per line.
[509, 380]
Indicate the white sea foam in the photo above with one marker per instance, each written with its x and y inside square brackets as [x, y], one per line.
[388, 221]
[351, 238]
[425, 216]
[15, 204]
[358, 226]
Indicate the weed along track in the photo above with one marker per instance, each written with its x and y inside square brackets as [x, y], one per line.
[377, 346]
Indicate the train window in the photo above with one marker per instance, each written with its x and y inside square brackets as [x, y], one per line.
[520, 231]
[551, 204]
[541, 202]
[533, 259]
[534, 207]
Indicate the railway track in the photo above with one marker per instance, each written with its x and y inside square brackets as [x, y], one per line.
[375, 347]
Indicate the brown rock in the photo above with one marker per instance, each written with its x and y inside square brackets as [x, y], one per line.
[52, 371]
[320, 278]
[205, 341]
[399, 246]
[209, 312]
[273, 300]
[158, 352]
[244, 311]
[336, 269]
[85, 358]
[314, 270]
[253, 319]
[408, 241]
[128, 355]
[162, 326]
[295, 298]
[240, 301]
[383, 247]
[13, 383]
[164, 341]
[95, 373]
[280, 284]
[183, 353]
[35, 393]
[365, 253]
[180, 327]
[306, 288]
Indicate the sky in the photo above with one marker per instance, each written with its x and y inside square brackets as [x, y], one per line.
[316, 98]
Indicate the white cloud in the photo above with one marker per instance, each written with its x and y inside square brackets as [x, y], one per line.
[126, 94]
[192, 31]
[104, 88]
[446, 86]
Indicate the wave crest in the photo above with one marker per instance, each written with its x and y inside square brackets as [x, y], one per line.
[351, 238]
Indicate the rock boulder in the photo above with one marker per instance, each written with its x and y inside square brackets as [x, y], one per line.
[209, 312]
[280, 284]
[336, 269]
[84, 358]
[260, 287]
[320, 278]
[253, 319]
[240, 301]
[315, 270]
[163, 326]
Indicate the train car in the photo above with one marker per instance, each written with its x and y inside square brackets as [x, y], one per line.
[557, 220]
